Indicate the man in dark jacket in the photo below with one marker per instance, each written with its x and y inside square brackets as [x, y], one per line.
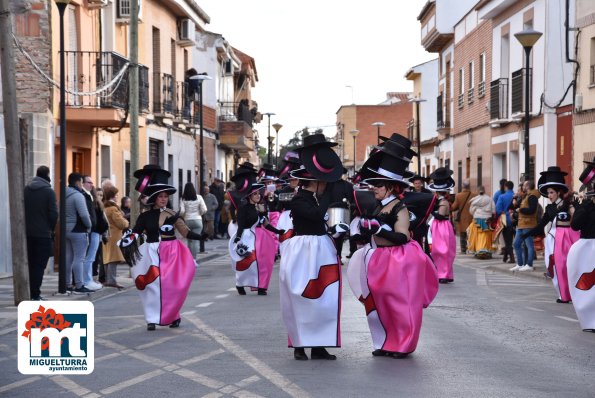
[41, 215]
[216, 189]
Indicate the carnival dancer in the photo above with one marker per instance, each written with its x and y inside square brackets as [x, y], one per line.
[268, 176]
[441, 236]
[364, 205]
[560, 237]
[581, 263]
[162, 266]
[252, 248]
[392, 276]
[310, 274]
[286, 194]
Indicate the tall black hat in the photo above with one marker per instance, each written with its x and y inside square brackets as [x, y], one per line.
[397, 138]
[244, 169]
[267, 172]
[391, 161]
[441, 180]
[244, 177]
[152, 180]
[319, 160]
[252, 188]
[292, 162]
[588, 175]
[552, 178]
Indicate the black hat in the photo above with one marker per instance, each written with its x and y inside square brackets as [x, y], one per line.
[253, 188]
[291, 163]
[588, 175]
[243, 169]
[364, 201]
[553, 177]
[441, 180]
[319, 160]
[403, 141]
[267, 172]
[150, 174]
[591, 163]
[417, 177]
[390, 168]
[243, 182]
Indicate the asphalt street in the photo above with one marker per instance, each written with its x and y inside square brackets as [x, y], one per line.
[489, 334]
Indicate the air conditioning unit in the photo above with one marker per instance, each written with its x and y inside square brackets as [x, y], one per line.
[578, 102]
[187, 30]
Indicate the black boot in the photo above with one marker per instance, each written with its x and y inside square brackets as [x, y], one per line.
[505, 258]
[176, 323]
[300, 354]
[241, 290]
[321, 353]
[511, 259]
[262, 292]
[150, 326]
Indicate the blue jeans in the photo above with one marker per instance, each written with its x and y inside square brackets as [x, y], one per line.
[94, 239]
[76, 249]
[518, 247]
[217, 218]
[194, 245]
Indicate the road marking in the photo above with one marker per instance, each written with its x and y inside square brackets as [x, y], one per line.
[222, 296]
[231, 289]
[203, 305]
[6, 331]
[202, 358]
[534, 309]
[128, 329]
[108, 356]
[565, 318]
[189, 312]
[131, 382]
[480, 277]
[200, 379]
[70, 385]
[246, 382]
[155, 342]
[19, 383]
[262, 368]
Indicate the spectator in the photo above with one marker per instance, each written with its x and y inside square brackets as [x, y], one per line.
[482, 208]
[112, 255]
[463, 217]
[216, 189]
[98, 269]
[94, 235]
[418, 184]
[502, 206]
[209, 217]
[192, 207]
[499, 192]
[125, 205]
[225, 219]
[527, 219]
[78, 226]
[41, 215]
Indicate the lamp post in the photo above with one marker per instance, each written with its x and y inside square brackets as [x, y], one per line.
[378, 125]
[277, 127]
[527, 38]
[269, 114]
[199, 79]
[62, 4]
[354, 134]
[418, 131]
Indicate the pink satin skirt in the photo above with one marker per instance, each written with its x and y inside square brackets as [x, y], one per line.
[444, 248]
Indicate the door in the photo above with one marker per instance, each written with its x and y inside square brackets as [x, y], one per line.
[564, 141]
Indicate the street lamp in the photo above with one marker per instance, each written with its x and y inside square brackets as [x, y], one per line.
[269, 114]
[418, 131]
[378, 125]
[199, 79]
[354, 134]
[277, 127]
[62, 4]
[527, 38]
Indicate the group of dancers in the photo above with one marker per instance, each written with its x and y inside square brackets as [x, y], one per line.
[405, 239]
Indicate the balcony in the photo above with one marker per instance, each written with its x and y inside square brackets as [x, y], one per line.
[90, 71]
[470, 95]
[235, 127]
[499, 100]
[443, 115]
[481, 89]
[164, 88]
[518, 91]
[461, 100]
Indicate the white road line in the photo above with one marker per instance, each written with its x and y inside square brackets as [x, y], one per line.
[262, 368]
[246, 394]
[6, 331]
[155, 342]
[534, 309]
[200, 379]
[222, 296]
[131, 382]
[231, 289]
[128, 329]
[565, 318]
[202, 358]
[246, 382]
[203, 305]
[188, 312]
[480, 277]
[19, 383]
[70, 385]
[108, 356]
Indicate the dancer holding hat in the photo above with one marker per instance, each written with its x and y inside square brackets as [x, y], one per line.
[310, 274]
[392, 276]
[560, 237]
[162, 266]
[441, 236]
[581, 267]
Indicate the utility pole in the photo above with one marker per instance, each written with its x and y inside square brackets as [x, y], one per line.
[133, 105]
[14, 159]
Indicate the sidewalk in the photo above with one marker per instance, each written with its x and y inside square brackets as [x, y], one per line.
[49, 287]
[496, 264]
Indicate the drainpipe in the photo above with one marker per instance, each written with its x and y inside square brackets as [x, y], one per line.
[568, 59]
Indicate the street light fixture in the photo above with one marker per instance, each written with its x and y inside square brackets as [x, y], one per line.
[378, 125]
[277, 127]
[354, 134]
[269, 114]
[527, 38]
[62, 4]
[418, 131]
[199, 79]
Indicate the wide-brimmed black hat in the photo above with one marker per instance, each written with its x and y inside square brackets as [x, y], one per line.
[588, 175]
[553, 177]
[441, 180]
[291, 163]
[267, 172]
[244, 169]
[150, 174]
[405, 144]
[243, 182]
[253, 188]
[365, 202]
[390, 168]
[319, 160]
[591, 163]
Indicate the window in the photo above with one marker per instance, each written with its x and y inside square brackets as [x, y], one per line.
[460, 174]
[479, 171]
[461, 87]
[155, 152]
[481, 87]
[127, 178]
[170, 168]
[467, 168]
[592, 69]
[471, 75]
[106, 162]
[180, 182]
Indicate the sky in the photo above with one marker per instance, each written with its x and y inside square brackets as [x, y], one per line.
[308, 51]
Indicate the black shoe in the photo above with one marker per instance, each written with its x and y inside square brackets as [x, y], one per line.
[442, 280]
[241, 290]
[39, 298]
[560, 301]
[150, 326]
[176, 323]
[82, 290]
[589, 330]
[321, 353]
[505, 258]
[261, 292]
[399, 355]
[300, 354]
[380, 353]
[450, 280]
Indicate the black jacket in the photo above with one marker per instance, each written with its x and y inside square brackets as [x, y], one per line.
[41, 209]
[90, 208]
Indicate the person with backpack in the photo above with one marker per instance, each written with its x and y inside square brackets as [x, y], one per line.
[527, 220]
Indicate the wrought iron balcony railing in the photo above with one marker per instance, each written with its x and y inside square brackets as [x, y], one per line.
[518, 90]
[499, 99]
